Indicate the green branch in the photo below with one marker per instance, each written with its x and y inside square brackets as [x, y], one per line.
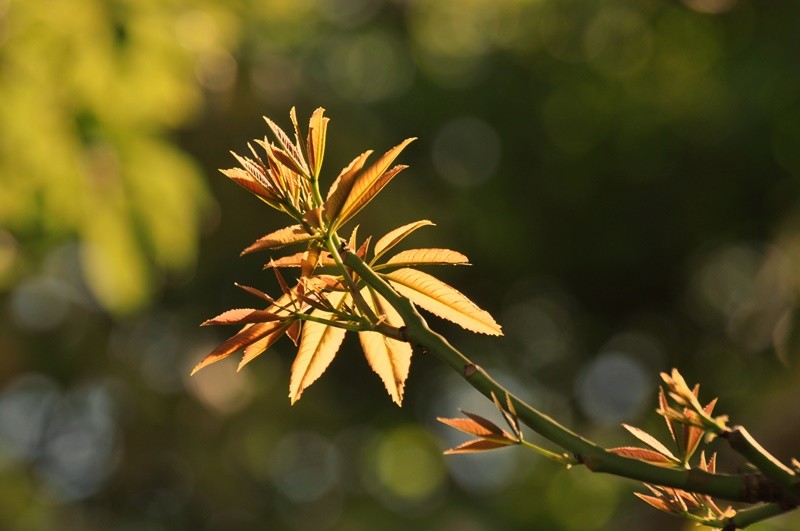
[594, 457]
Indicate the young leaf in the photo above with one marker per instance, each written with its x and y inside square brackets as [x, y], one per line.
[255, 349]
[242, 316]
[414, 257]
[389, 358]
[650, 441]
[478, 445]
[247, 335]
[643, 454]
[279, 238]
[340, 189]
[318, 346]
[392, 238]
[295, 158]
[443, 300]
[476, 425]
[371, 181]
[317, 129]
[246, 181]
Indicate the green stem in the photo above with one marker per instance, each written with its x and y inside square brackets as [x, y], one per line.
[742, 442]
[597, 459]
[752, 515]
[333, 243]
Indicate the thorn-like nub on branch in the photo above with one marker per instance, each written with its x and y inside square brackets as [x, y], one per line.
[470, 369]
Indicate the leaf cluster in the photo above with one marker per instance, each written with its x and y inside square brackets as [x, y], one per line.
[325, 299]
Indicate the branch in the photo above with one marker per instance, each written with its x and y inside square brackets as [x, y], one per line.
[594, 457]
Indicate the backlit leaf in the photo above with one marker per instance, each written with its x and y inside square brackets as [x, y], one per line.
[658, 503]
[371, 181]
[247, 335]
[413, 257]
[246, 181]
[279, 238]
[257, 348]
[319, 344]
[389, 358]
[317, 129]
[477, 445]
[649, 440]
[295, 158]
[476, 425]
[443, 300]
[340, 189]
[643, 454]
[242, 316]
[392, 238]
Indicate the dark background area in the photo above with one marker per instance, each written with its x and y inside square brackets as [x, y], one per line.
[623, 175]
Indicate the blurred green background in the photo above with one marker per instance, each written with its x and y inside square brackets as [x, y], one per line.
[624, 175]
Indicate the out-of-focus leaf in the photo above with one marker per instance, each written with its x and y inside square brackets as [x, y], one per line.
[644, 454]
[371, 181]
[340, 189]
[279, 238]
[389, 358]
[295, 260]
[650, 441]
[392, 238]
[413, 257]
[317, 129]
[319, 344]
[443, 300]
[478, 445]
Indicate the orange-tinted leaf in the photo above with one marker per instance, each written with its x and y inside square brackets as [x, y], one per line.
[443, 300]
[257, 348]
[360, 196]
[294, 158]
[664, 407]
[392, 238]
[389, 358]
[658, 503]
[318, 346]
[310, 260]
[247, 335]
[341, 187]
[476, 425]
[246, 181]
[650, 441]
[414, 257]
[295, 260]
[371, 181]
[317, 130]
[643, 454]
[279, 238]
[242, 316]
[477, 445]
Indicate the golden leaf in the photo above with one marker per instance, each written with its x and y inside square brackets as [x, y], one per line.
[249, 183]
[392, 238]
[294, 158]
[247, 335]
[650, 441]
[279, 238]
[319, 344]
[340, 189]
[443, 300]
[242, 316]
[643, 454]
[658, 503]
[371, 181]
[389, 358]
[476, 425]
[477, 445]
[257, 348]
[317, 129]
[414, 257]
